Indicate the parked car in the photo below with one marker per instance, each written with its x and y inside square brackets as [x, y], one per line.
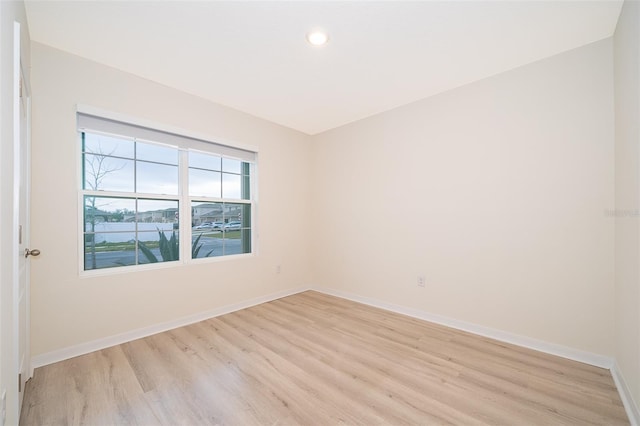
[210, 225]
[205, 225]
[233, 225]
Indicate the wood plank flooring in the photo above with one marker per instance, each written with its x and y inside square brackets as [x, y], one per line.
[313, 359]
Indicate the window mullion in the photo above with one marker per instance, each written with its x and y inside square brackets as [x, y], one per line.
[131, 195]
[135, 166]
[137, 237]
[184, 206]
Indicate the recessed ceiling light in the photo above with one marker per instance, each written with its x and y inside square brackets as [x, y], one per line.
[317, 37]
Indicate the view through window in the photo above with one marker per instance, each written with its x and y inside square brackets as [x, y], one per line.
[135, 193]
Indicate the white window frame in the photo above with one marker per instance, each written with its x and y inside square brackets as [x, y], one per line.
[194, 142]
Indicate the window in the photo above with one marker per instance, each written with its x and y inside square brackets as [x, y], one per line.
[227, 224]
[155, 197]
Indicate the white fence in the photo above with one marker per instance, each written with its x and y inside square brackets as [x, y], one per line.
[117, 232]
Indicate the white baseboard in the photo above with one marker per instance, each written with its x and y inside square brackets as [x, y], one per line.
[625, 394]
[95, 345]
[503, 336]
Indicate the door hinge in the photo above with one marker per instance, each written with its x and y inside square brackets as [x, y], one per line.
[19, 234]
[19, 382]
[20, 86]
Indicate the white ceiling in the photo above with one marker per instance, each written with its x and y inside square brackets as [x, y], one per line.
[253, 56]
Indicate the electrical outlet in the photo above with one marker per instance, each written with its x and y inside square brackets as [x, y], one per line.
[421, 281]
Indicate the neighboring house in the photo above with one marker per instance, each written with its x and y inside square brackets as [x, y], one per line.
[215, 212]
[163, 216]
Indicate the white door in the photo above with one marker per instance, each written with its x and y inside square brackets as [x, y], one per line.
[21, 212]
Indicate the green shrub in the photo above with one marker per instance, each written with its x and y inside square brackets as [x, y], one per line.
[169, 248]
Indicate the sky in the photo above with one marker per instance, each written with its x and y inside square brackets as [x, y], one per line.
[124, 165]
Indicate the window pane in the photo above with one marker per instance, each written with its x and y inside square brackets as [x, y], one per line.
[246, 187]
[107, 145]
[157, 238]
[231, 166]
[237, 232]
[246, 169]
[203, 183]
[231, 186]
[105, 214]
[245, 241]
[206, 215]
[159, 246]
[204, 161]
[108, 250]
[154, 178]
[156, 215]
[237, 241]
[157, 153]
[233, 212]
[103, 173]
[246, 215]
[110, 232]
[220, 229]
[206, 244]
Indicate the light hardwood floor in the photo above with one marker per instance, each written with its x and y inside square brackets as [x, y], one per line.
[314, 359]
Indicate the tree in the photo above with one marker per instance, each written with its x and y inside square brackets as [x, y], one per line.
[96, 168]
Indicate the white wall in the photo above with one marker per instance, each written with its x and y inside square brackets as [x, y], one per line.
[10, 12]
[627, 157]
[68, 310]
[496, 192]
